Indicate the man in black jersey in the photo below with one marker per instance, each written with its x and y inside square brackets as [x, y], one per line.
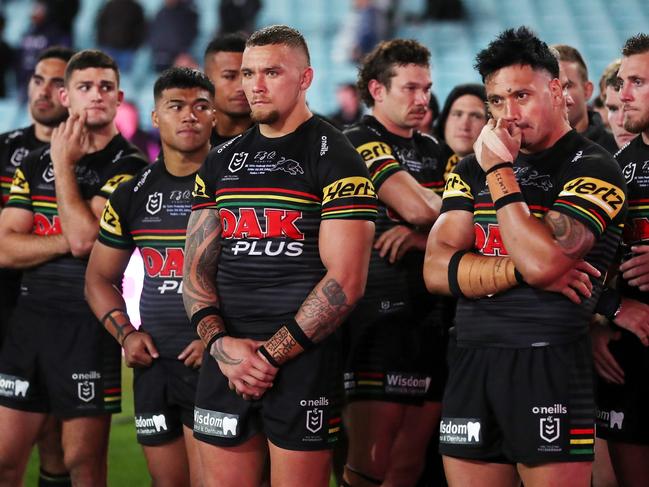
[394, 375]
[56, 359]
[623, 395]
[222, 61]
[585, 121]
[276, 257]
[150, 212]
[524, 223]
[46, 112]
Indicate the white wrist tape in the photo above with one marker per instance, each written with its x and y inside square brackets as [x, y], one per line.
[489, 139]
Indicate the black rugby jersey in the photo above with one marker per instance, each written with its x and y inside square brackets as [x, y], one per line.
[394, 287]
[634, 161]
[150, 212]
[575, 177]
[272, 194]
[61, 280]
[14, 147]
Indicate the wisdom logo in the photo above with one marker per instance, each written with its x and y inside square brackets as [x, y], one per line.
[215, 423]
[414, 385]
[460, 431]
[612, 419]
[150, 424]
[12, 386]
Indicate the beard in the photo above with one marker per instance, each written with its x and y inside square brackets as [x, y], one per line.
[266, 118]
[637, 126]
[50, 120]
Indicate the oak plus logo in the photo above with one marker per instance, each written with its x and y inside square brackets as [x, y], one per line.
[12, 386]
[460, 431]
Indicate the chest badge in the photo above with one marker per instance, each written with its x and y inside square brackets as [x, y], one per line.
[237, 161]
[154, 203]
[629, 171]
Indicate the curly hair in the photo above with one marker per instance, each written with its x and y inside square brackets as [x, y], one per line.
[380, 63]
[516, 46]
[637, 44]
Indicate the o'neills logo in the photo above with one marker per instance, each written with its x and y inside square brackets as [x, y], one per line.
[554, 409]
[322, 401]
[92, 375]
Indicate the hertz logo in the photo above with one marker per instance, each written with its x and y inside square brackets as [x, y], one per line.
[347, 187]
[115, 181]
[607, 196]
[456, 187]
[199, 188]
[374, 150]
[19, 185]
[110, 220]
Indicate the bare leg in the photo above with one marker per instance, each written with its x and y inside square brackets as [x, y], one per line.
[85, 447]
[603, 474]
[463, 473]
[630, 462]
[241, 465]
[168, 463]
[18, 431]
[289, 468]
[574, 474]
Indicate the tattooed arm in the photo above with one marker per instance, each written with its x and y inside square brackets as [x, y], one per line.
[248, 373]
[345, 247]
[103, 277]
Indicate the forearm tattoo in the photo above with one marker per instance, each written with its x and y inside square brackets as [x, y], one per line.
[572, 236]
[119, 321]
[323, 310]
[202, 250]
[221, 355]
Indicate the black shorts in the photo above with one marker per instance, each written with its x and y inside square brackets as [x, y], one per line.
[623, 410]
[62, 363]
[164, 400]
[530, 406]
[300, 412]
[394, 358]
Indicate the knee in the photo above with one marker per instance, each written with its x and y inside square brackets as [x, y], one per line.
[82, 457]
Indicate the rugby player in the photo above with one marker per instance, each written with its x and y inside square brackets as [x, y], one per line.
[394, 364]
[150, 212]
[276, 257]
[222, 61]
[524, 223]
[47, 112]
[56, 359]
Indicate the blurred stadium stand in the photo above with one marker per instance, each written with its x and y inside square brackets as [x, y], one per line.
[597, 28]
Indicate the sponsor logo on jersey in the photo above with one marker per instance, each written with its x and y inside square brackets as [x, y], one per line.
[605, 195]
[323, 145]
[19, 184]
[12, 386]
[276, 223]
[289, 166]
[216, 423]
[554, 409]
[489, 241]
[42, 225]
[455, 186]
[312, 403]
[159, 264]
[371, 151]
[411, 384]
[578, 156]
[48, 174]
[611, 419]
[142, 180]
[110, 220]
[460, 431]
[629, 171]
[110, 185]
[18, 155]
[151, 424]
[154, 203]
[237, 161]
[200, 191]
[354, 186]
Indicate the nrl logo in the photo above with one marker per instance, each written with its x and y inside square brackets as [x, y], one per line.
[86, 390]
[18, 156]
[238, 160]
[549, 429]
[629, 171]
[154, 203]
[314, 420]
[48, 174]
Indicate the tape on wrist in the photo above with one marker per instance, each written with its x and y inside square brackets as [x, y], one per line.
[489, 139]
[508, 199]
[453, 265]
[203, 313]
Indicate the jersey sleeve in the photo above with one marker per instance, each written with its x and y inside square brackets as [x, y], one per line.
[376, 154]
[20, 195]
[113, 225]
[593, 192]
[458, 194]
[347, 191]
[204, 193]
[119, 172]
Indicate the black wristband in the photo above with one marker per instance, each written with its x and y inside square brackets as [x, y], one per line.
[300, 337]
[499, 166]
[107, 315]
[453, 266]
[202, 313]
[508, 199]
[262, 350]
[220, 334]
[609, 303]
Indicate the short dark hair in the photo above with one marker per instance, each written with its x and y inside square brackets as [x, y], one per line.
[232, 42]
[90, 58]
[279, 34]
[380, 63]
[177, 77]
[637, 44]
[571, 55]
[516, 46]
[56, 52]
